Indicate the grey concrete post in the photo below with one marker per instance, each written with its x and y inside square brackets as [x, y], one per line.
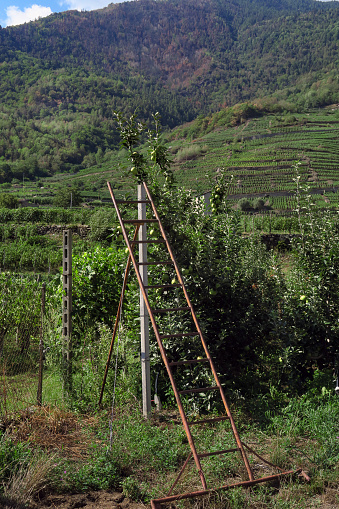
[67, 309]
[144, 317]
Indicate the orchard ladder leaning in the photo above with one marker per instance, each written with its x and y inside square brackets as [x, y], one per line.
[205, 358]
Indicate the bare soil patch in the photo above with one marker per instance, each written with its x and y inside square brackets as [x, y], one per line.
[90, 500]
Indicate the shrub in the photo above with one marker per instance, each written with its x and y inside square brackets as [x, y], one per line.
[8, 201]
[101, 224]
[188, 153]
[258, 204]
[244, 204]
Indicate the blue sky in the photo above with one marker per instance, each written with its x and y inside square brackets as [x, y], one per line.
[16, 12]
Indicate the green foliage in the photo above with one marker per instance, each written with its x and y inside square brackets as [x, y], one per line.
[67, 197]
[142, 443]
[22, 249]
[251, 313]
[131, 131]
[188, 153]
[258, 204]
[58, 97]
[244, 204]
[102, 472]
[20, 322]
[8, 201]
[314, 417]
[313, 293]
[101, 223]
[131, 488]
[246, 307]
[97, 281]
[49, 216]
[12, 457]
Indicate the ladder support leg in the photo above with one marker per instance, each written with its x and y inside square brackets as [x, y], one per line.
[128, 265]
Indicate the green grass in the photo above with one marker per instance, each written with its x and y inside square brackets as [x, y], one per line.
[52, 392]
[143, 457]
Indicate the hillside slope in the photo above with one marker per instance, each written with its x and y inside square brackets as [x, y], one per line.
[61, 77]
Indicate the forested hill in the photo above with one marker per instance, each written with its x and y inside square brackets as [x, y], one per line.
[62, 76]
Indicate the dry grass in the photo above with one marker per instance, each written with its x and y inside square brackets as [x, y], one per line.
[53, 429]
[29, 479]
[56, 433]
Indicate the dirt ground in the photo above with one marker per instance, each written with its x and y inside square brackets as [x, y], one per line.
[61, 432]
[90, 500]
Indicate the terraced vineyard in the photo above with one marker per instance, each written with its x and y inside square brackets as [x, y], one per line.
[259, 156]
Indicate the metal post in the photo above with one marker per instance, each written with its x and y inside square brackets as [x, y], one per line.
[144, 317]
[41, 344]
[67, 309]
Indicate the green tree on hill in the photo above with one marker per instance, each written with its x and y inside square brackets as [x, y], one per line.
[67, 197]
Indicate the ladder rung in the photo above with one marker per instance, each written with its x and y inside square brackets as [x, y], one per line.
[215, 453]
[179, 335]
[192, 361]
[156, 263]
[209, 420]
[133, 201]
[139, 221]
[160, 241]
[167, 310]
[176, 285]
[202, 389]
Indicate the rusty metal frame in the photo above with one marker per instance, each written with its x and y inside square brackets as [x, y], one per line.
[158, 338]
[156, 503]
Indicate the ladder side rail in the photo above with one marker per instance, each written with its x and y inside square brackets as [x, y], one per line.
[161, 347]
[214, 371]
[117, 320]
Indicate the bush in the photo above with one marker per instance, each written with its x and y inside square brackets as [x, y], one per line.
[188, 153]
[8, 201]
[100, 473]
[244, 204]
[101, 224]
[97, 282]
[258, 204]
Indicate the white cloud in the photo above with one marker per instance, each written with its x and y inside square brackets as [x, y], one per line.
[17, 17]
[87, 5]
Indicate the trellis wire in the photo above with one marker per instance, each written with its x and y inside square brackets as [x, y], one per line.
[20, 338]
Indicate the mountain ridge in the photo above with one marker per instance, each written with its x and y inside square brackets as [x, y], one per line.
[61, 77]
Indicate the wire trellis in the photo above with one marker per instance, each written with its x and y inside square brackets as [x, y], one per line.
[20, 344]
